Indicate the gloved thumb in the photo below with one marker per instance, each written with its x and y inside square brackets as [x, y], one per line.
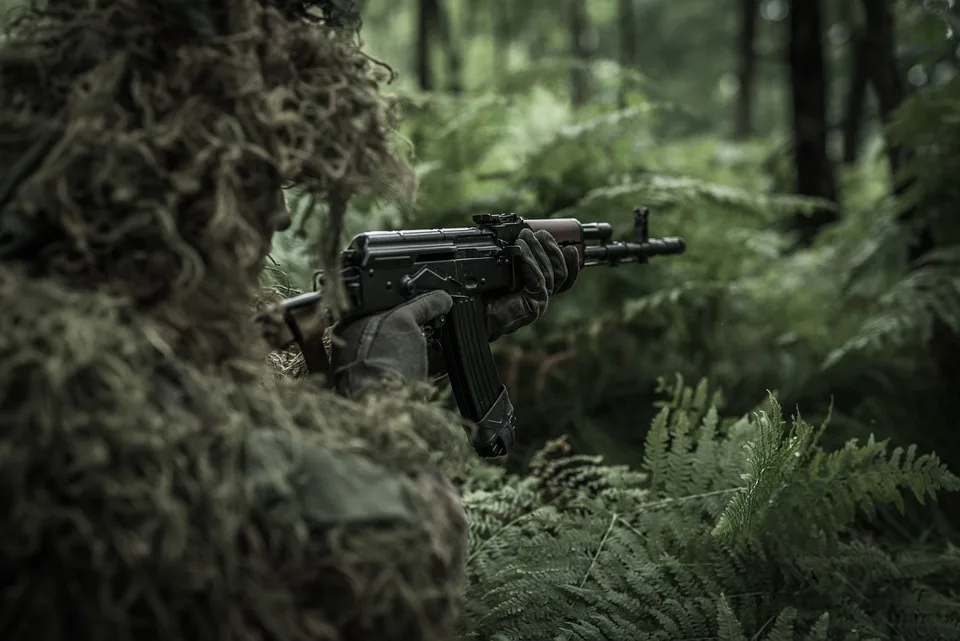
[426, 307]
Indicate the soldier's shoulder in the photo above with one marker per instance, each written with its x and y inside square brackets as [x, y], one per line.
[341, 461]
[329, 486]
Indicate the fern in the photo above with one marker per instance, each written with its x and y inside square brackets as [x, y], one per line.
[731, 294]
[908, 311]
[833, 320]
[659, 190]
[733, 529]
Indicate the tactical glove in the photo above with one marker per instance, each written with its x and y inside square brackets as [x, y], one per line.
[385, 348]
[546, 269]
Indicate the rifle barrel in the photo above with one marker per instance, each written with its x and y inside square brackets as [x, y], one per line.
[627, 252]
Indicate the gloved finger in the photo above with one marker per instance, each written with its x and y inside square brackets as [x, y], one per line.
[534, 281]
[571, 257]
[558, 266]
[540, 254]
[508, 314]
[426, 307]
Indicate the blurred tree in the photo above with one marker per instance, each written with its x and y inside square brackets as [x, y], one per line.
[746, 68]
[433, 22]
[579, 51]
[503, 34]
[858, 81]
[883, 70]
[809, 86]
[889, 87]
[627, 19]
[427, 11]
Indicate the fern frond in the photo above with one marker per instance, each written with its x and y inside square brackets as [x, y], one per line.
[661, 191]
[908, 311]
[764, 551]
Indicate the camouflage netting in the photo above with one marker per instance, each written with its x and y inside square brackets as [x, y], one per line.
[135, 123]
[155, 483]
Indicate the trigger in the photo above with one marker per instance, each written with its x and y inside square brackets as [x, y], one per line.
[434, 325]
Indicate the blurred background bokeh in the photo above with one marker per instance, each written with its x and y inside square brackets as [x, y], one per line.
[808, 151]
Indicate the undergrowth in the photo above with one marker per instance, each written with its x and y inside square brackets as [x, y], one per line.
[847, 320]
[731, 530]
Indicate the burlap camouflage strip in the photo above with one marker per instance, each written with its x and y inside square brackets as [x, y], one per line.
[156, 483]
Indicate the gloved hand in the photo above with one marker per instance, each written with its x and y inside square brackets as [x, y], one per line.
[392, 345]
[388, 347]
[546, 270]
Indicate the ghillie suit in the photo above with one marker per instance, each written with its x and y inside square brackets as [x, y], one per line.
[155, 483]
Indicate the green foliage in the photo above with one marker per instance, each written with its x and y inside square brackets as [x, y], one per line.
[756, 528]
[850, 320]
[735, 307]
[735, 529]
[711, 311]
[909, 302]
[510, 46]
[900, 276]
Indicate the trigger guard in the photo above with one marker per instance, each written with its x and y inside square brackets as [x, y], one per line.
[433, 326]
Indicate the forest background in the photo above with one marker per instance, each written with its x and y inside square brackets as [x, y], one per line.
[717, 115]
[809, 152]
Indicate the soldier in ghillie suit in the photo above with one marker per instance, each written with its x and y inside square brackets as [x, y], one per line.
[155, 483]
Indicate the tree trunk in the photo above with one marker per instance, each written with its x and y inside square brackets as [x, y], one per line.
[471, 19]
[888, 87]
[808, 84]
[580, 74]
[884, 74]
[627, 17]
[746, 68]
[856, 98]
[502, 35]
[451, 45]
[426, 22]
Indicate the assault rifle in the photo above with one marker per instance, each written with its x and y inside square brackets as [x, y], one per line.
[382, 269]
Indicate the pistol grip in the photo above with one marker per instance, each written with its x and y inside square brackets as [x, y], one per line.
[480, 395]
